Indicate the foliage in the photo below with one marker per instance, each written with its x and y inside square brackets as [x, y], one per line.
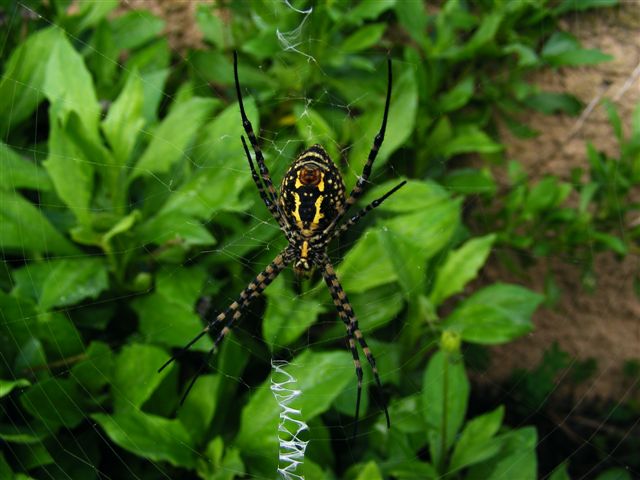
[126, 197]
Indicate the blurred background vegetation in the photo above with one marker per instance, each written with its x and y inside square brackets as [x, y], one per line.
[126, 200]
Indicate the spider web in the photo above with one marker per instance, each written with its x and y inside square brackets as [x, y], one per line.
[278, 153]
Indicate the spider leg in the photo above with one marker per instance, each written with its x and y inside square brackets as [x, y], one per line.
[271, 203]
[233, 312]
[248, 128]
[358, 189]
[345, 311]
[356, 218]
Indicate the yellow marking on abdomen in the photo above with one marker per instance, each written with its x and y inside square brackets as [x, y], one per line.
[318, 215]
[321, 183]
[305, 249]
[296, 212]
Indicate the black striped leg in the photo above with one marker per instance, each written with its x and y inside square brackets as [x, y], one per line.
[358, 189]
[248, 128]
[226, 319]
[356, 218]
[347, 315]
[272, 205]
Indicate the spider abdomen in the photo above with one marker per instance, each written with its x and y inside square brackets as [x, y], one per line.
[312, 191]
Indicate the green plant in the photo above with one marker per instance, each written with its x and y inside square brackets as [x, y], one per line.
[126, 197]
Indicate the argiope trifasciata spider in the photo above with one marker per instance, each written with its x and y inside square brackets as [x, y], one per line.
[310, 205]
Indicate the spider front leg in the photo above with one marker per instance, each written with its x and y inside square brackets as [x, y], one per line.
[345, 311]
[226, 319]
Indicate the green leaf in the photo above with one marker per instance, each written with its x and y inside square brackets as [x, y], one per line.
[55, 402]
[173, 135]
[567, 6]
[476, 442]
[445, 393]
[149, 436]
[563, 49]
[552, 102]
[70, 170]
[458, 96]
[287, 316]
[470, 139]
[23, 78]
[90, 13]
[211, 26]
[460, 267]
[73, 280]
[135, 375]
[366, 265]
[517, 455]
[560, 472]
[527, 57]
[412, 197]
[25, 230]
[167, 316]
[223, 170]
[6, 386]
[496, 314]
[17, 172]
[413, 17]
[197, 412]
[173, 227]
[363, 38]
[470, 181]
[96, 369]
[370, 472]
[368, 10]
[125, 120]
[135, 28]
[313, 128]
[614, 474]
[68, 84]
[614, 119]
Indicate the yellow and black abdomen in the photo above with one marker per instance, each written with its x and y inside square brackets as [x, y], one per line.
[312, 191]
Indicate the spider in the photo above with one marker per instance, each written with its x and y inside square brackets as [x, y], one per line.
[308, 210]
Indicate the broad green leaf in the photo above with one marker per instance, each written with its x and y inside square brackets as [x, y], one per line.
[89, 13]
[517, 457]
[73, 280]
[526, 55]
[368, 10]
[211, 26]
[70, 170]
[572, 6]
[427, 231]
[124, 121]
[313, 128]
[29, 434]
[615, 473]
[476, 442]
[135, 28]
[167, 316]
[149, 436]
[136, 376]
[413, 196]
[483, 36]
[563, 49]
[370, 472]
[319, 376]
[172, 137]
[496, 314]
[198, 409]
[17, 172]
[55, 402]
[402, 117]
[460, 267]
[413, 470]
[25, 230]
[96, 368]
[6, 386]
[560, 472]
[470, 139]
[458, 96]
[222, 169]
[552, 102]
[445, 393]
[363, 38]
[69, 85]
[413, 18]
[23, 78]
[173, 227]
[470, 181]
[366, 265]
[220, 463]
[287, 316]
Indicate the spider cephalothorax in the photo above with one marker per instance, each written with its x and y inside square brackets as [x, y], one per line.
[309, 208]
